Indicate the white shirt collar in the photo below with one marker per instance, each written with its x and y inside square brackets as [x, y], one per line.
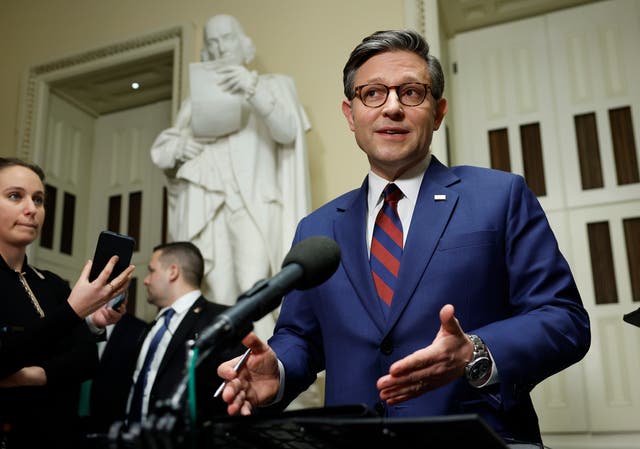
[409, 183]
[183, 303]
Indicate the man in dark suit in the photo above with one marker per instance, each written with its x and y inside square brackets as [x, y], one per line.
[427, 251]
[173, 285]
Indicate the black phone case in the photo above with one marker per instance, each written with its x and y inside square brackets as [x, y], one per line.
[112, 244]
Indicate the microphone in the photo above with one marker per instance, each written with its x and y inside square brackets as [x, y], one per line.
[308, 264]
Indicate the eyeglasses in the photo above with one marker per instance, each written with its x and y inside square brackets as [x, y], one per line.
[409, 94]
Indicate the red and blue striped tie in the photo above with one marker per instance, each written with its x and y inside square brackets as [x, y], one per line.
[386, 245]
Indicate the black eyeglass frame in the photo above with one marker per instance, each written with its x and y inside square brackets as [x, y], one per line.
[358, 93]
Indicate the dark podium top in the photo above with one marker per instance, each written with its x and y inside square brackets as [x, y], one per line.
[350, 428]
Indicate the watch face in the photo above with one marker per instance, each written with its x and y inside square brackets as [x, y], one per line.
[479, 368]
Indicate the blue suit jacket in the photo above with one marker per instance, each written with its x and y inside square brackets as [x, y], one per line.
[488, 250]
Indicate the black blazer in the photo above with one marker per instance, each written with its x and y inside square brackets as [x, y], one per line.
[111, 384]
[172, 368]
[60, 343]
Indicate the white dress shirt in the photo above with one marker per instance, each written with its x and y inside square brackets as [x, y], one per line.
[181, 307]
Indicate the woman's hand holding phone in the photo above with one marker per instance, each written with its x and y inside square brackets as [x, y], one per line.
[87, 297]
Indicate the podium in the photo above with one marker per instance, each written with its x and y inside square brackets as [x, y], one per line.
[350, 428]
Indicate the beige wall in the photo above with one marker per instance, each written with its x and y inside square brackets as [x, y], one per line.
[308, 40]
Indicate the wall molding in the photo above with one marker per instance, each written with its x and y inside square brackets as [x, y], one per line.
[35, 87]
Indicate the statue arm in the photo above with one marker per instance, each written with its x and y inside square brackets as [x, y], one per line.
[262, 94]
[176, 144]
[277, 115]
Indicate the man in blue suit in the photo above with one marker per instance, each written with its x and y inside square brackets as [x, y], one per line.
[476, 308]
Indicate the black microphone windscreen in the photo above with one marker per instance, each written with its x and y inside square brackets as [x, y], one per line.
[319, 257]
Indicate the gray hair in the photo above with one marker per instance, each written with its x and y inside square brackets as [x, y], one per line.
[392, 40]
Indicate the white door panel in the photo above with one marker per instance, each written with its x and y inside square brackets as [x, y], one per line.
[613, 361]
[548, 70]
[91, 160]
[67, 158]
[500, 84]
[123, 170]
[595, 59]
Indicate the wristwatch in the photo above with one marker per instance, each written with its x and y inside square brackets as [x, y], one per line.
[478, 369]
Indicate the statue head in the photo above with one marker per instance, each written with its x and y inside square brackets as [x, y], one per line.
[224, 40]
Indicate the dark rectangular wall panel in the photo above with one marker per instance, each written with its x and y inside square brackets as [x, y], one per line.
[165, 214]
[588, 151]
[132, 296]
[47, 232]
[632, 240]
[115, 209]
[499, 149]
[624, 145]
[602, 269]
[135, 214]
[532, 158]
[68, 221]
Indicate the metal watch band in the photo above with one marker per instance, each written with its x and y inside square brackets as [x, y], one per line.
[479, 348]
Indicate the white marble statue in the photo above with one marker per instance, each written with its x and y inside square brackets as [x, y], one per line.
[238, 181]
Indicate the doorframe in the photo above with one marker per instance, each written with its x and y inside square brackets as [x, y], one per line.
[423, 16]
[34, 97]
[35, 90]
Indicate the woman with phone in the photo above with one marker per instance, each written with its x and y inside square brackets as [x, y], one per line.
[46, 350]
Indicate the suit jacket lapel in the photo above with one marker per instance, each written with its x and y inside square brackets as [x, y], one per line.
[350, 233]
[430, 218]
[182, 333]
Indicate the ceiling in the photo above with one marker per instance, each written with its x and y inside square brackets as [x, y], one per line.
[458, 16]
[105, 91]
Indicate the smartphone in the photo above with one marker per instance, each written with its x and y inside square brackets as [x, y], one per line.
[115, 302]
[112, 244]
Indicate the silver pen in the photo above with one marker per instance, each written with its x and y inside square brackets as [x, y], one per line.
[236, 367]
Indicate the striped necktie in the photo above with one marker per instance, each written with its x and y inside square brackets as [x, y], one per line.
[135, 411]
[386, 245]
